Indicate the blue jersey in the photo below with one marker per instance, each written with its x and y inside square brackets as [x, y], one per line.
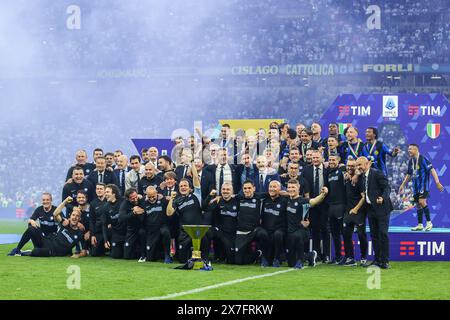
[352, 150]
[419, 170]
[377, 153]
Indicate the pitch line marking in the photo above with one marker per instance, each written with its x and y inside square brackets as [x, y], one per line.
[228, 283]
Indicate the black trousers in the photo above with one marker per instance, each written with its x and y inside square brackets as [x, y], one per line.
[156, 239]
[99, 249]
[43, 246]
[336, 218]
[275, 244]
[184, 251]
[320, 230]
[223, 244]
[348, 239]
[295, 242]
[134, 244]
[379, 226]
[242, 245]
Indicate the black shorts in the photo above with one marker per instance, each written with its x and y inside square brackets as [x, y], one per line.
[421, 195]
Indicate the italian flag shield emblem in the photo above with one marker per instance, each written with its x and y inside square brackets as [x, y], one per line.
[433, 130]
[342, 127]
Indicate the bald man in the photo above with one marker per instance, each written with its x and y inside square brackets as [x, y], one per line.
[81, 161]
[156, 226]
[379, 207]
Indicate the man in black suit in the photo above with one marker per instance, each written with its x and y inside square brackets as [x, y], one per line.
[101, 174]
[317, 178]
[379, 207]
[222, 172]
[246, 170]
[307, 143]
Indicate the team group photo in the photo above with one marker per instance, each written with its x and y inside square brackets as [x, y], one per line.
[225, 150]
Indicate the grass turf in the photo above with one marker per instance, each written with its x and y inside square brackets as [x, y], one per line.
[13, 226]
[105, 278]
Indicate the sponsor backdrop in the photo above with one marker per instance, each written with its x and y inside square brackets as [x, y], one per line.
[424, 120]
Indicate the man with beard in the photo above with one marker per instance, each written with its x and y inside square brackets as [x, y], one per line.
[337, 200]
[353, 147]
[78, 183]
[376, 150]
[114, 230]
[150, 179]
[355, 215]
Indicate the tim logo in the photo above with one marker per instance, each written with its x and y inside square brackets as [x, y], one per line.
[424, 111]
[390, 106]
[362, 111]
[425, 248]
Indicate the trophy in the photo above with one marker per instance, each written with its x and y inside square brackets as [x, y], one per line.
[196, 232]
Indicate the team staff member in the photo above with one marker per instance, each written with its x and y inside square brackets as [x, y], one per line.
[131, 211]
[114, 231]
[274, 222]
[78, 183]
[188, 207]
[42, 216]
[249, 227]
[379, 207]
[70, 234]
[155, 224]
[297, 212]
[81, 162]
[150, 179]
[355, 215]
[294, 173]
[419, 169]
[224, 211]
[95, 221]
[336, 200]
[101, 173]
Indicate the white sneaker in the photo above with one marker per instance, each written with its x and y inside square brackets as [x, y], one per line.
[419, 227]
[142, 259]
[429, 226]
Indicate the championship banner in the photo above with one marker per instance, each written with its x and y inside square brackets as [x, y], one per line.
[422, 119]
[250, 124]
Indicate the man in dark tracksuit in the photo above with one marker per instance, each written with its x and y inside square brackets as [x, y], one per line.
[224, 211]
[95, 221]
[249, 227]
[355, 215]
[336, 200]
[297, 213]
[274, 222]
[157, 232]
[188, 207]
[114, 231]
[131, 211]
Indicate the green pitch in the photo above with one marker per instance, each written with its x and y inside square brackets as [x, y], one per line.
[105, 278]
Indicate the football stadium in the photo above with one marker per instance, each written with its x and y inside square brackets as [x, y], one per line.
[251, 151]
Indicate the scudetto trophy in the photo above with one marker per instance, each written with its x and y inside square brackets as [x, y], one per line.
[196, 232]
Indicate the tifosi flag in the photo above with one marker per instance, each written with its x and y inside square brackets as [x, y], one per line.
[433, 130]
[342, 127]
